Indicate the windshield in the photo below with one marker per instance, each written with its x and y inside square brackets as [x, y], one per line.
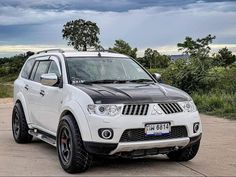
[105, 70]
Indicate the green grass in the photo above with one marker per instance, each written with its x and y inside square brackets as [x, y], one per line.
[6, 85]
[217, 103]
[6, 91]
[8, 78]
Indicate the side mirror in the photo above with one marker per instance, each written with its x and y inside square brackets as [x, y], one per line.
[157, 76]
[49, 79]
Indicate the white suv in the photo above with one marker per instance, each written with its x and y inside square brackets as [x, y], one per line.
[101, 103]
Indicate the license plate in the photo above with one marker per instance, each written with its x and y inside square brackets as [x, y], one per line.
[157, 129]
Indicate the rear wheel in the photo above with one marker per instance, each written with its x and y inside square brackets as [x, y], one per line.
[185, 154]
[72, 154]
[19, 125]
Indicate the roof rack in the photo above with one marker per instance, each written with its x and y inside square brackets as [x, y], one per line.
[51, 50]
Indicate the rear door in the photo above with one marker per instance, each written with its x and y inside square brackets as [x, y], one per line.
[26, 83]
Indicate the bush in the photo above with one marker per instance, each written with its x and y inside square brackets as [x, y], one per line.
[186, 74]
[156, 70]
[212, 87]
[11, 65]
[216, 103]
[220, 78]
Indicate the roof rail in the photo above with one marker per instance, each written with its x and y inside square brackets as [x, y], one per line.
[51, 50]
[101, 49]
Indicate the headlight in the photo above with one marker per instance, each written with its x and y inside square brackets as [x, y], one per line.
[104, 109]
[188, 106]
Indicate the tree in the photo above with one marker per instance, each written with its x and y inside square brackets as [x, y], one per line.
[199, 47]
[225, 57]
[155, 59]
[29, 53]
[163, 61]
[149, 56]
[123, 47]
[81, 34]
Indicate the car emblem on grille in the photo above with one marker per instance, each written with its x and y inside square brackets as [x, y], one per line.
[156, 110]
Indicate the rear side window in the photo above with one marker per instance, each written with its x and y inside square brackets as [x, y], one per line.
[34, 70]
[27, 68]
[41, 69]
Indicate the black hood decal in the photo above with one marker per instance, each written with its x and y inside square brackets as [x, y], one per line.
[133, 93]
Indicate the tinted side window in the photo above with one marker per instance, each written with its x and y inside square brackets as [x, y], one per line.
[34, 70]
[53, 68]
[42, 69]
[27, 68]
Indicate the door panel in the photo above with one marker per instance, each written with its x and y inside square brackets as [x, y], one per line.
[34, 97]
[50, 102]
[50, 105]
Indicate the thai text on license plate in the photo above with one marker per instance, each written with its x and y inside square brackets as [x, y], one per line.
[157, 129]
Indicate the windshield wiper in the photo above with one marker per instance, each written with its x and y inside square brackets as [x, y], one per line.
[105, 81]
[111, 81]
[141, 80]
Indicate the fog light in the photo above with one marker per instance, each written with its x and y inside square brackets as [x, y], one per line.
[105, 133]
[195, 127]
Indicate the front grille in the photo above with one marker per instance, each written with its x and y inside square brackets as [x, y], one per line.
[170, 108]
[131, 135]
[135, 109]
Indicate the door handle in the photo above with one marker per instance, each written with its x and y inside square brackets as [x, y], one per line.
[27, 87]
[42, 92]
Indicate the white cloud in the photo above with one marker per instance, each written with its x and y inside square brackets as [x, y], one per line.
[20, 16]
[160, 27]
[23, 14]
[10, 50]
[173, 49]
[33, 48]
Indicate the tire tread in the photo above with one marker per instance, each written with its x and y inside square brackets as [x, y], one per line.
[81, 159]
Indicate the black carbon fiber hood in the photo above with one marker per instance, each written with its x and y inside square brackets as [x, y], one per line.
[133, 93]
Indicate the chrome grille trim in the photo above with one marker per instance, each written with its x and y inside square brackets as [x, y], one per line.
[135, 109]
[170, 108]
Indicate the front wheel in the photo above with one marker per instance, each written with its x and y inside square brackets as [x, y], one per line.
[72, 154]
[186, 153]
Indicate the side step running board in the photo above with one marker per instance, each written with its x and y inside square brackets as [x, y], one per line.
[43, 136]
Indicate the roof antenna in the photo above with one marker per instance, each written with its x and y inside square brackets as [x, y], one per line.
[99, 54]
[100, 48]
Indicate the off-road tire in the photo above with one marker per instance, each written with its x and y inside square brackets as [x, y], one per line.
[186, 153]
[79, 159]
[19, 125]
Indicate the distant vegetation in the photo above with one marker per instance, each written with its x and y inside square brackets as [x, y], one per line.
[209, 79]
[9, 70]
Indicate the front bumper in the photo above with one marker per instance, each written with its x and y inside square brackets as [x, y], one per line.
[117, 144]
[119, 148]
[122, 123]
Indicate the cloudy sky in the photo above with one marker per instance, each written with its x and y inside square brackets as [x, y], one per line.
[159, 24]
